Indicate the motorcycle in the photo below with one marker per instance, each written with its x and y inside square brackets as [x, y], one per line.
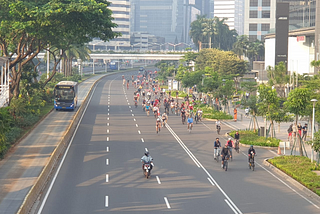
[147, 169]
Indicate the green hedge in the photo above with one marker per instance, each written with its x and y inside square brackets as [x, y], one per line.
[211, 113]
[300, 168]
[252, 138]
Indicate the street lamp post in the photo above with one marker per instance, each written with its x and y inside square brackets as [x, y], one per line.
[312, 128]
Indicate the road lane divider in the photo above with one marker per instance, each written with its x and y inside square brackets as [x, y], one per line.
[211, 182]
[167, 202]
[139, 132]
[107, 138]
[142, 140]
[107, 161]
[146, 149]
[107, 149]
[201, 166]
[235, 212]
[137, 125]
[158, 179]
[106, 201]
[107, 178]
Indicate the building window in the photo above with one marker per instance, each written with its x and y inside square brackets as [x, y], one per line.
[265, 27]
[253, 27]
[253, 3]
[253, 38]
[265, 14]
[253, 14]
[265, 3]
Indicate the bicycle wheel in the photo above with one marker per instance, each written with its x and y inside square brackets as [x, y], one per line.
[226, 165]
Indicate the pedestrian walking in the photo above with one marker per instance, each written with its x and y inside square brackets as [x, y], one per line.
[300, 130]
[305, 130]
[290, 132]
[235, 112]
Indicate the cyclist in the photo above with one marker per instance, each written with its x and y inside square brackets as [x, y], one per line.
[155, 111]
[217, 147]
[218, 124]
[190, 122]
[251, 149]
[158, 125]
[225, 152]
[135, 99]
[199, 114]
[148, 108]
[183, 114]
[237, 138]
[230, 145]
[164, 119]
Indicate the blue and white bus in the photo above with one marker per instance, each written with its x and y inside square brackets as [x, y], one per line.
[114, 65]
[66, 95]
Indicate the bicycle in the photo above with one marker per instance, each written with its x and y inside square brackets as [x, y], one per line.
[216, 154]
[225, 163]
[251, 162]
[136, 103]
[189, 127]
[158, 127]
[183, 119]
[236, 146]
[218, 129]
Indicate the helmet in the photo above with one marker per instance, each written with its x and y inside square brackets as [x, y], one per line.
[158, 119]
[251, 146]
[229, 138]
[146, 153]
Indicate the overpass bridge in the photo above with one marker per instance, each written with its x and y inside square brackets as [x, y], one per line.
[132, 56]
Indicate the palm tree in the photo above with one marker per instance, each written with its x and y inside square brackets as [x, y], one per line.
[196, 31]
[208, 29]
[75, 51]
[240, 47]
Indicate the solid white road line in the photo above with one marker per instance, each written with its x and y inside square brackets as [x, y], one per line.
[107, 148]
[230, 206]
[200, 165]
[66, 152]
[107, 161]
[107, 178]
[273, 152]
[142, 140]
[210, 181]
[158, 179]
[136, 125]
[107, 138]
[106, 201]
[167, 202]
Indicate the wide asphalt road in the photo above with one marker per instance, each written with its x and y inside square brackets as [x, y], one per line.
[102, 171]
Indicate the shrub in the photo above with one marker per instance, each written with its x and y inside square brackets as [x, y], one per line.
[13, 134]
[252, 138]
[301, 169]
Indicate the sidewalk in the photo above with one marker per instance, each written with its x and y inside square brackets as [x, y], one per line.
[19, 171]
[282, 134]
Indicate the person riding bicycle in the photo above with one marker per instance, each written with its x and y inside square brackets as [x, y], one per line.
[155, 109]
[218, 124]
[147, 159]
[158, 124]
[164, 118]
[135, 98]
[237, 137]
[199, 114]
[190, 122]
[225, 152]
[251, 149]
[217, 146]
[230, 145]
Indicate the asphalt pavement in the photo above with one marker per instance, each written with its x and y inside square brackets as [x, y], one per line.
[102, 171]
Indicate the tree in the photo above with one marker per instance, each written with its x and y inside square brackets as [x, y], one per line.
[268, 104]
[278, 77]
[196, 31]
[241, 45]
[315, 143]
[28, 27]
[208, 29]
[297, 103]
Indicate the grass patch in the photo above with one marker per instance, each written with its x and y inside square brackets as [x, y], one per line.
[252, 138]
[211, 113]
[300, 168]
[181, 94]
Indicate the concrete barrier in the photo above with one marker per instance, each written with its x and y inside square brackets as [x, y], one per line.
[43, 178]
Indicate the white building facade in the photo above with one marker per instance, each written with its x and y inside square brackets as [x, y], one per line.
[259, 18]
[233, 11]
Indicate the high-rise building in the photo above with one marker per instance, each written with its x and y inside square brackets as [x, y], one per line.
[259, 18]
[121, 15]
[233, 11]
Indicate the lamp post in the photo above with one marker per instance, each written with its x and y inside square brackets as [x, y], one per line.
[312, 128]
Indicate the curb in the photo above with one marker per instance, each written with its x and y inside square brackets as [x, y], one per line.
[292, 181]
[42, 179]
[246, 145]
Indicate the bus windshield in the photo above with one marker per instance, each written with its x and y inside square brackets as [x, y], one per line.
[63, 94]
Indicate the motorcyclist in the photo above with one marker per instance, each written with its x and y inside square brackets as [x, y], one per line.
[251, 149]
[217, 146]
[224, 153]
[147, 159]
